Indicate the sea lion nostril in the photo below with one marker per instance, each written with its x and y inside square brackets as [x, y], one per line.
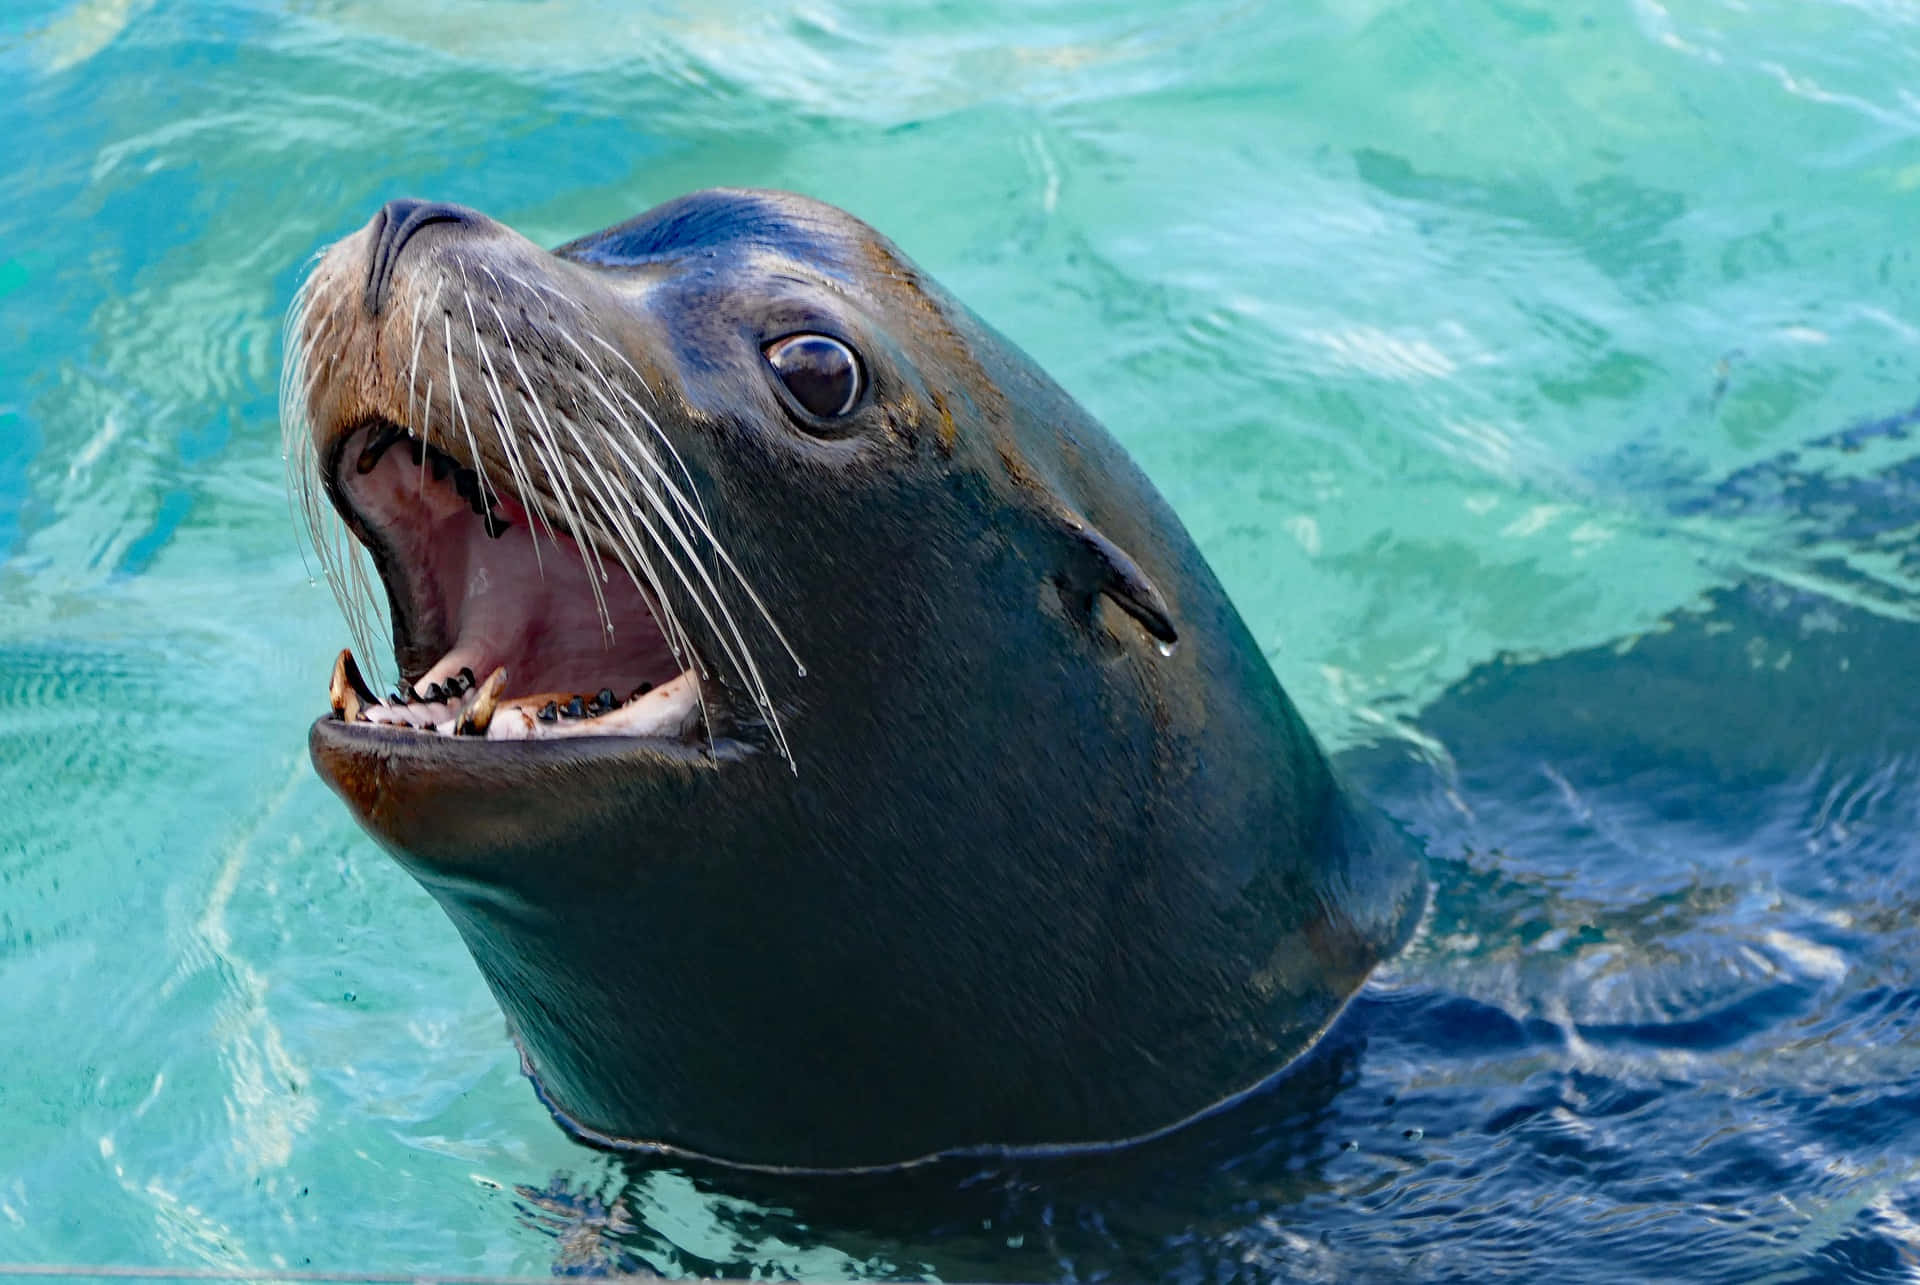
[398, 221]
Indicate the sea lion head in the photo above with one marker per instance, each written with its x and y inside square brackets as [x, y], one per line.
[830, 746]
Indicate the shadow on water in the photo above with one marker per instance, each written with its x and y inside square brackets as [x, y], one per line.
[1652, 1025]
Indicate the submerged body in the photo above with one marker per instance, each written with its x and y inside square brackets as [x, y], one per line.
[831, 748]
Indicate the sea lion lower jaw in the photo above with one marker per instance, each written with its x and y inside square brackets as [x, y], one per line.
[832, 750]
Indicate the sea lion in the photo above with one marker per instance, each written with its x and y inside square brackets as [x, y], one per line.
[831, 748]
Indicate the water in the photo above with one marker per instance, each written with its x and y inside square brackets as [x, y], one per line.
[1538, 378]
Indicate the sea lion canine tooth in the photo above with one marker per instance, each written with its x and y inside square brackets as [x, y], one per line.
[927, 837]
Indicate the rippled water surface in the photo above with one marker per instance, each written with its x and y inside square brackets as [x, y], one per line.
[1541, 378]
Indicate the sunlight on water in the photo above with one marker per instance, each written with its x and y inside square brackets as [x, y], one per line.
[1524, 370]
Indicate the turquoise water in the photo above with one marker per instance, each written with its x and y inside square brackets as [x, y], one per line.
[1540, 378]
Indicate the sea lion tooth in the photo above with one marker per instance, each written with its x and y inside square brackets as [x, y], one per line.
[497, 526]
[348, 691]
[514, 723]
[575, 708]
[604, 698]
[399, 716]
[435, 693]
[476, 714]
[670, 710]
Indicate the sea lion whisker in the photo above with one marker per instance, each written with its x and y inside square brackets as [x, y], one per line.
[739, 576]
[664, 614]
[740, 660]
[751, 669]
[457, 406]
[560, 490]
[426, 411]
[507, 440]
[596, 573]
[608, 525]
[340, 559]
[647, 416]
[637, 377]
[296, 435]
[585, 449]
[366, 605]
[696, 515]
[744, 661]
[551, 458]
[292, 338]
[591, 557]
[698, 509]
[423, 430]
[426, 441]
[295, 342]
[563, 492]
[742, 656]
[678, 640]
[347, 578]
[630, 549]
[541, 287]
[611, 513]
[307, 373]
[734, 648]
[498, 285]
[533, 410]
[661, 606]
[695, 510]
[493, 277]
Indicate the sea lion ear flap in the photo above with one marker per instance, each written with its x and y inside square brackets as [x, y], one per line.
[1120, 578]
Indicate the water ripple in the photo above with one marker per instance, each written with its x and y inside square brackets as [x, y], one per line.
[1540, 382]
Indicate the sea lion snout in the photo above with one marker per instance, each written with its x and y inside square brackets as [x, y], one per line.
[395, 225]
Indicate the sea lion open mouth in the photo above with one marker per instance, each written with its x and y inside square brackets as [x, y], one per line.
[1033, 852]
[561, 654]
[530, 534]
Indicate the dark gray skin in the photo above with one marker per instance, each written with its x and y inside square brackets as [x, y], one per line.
[1028, 880]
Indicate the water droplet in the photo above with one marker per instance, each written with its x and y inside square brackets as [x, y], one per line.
[801, 670]
[1166, 648]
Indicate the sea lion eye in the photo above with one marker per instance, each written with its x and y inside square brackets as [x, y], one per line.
[821, 372]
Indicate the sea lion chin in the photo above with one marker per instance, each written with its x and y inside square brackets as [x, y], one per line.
[831, 748]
